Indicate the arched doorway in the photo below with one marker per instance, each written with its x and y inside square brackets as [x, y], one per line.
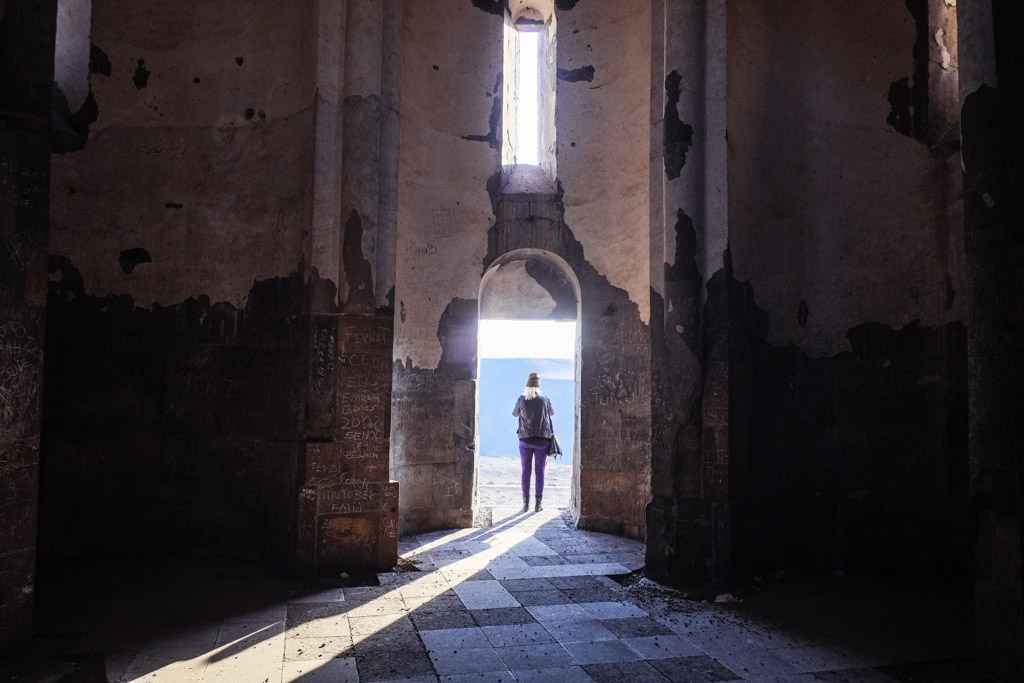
[535, 285]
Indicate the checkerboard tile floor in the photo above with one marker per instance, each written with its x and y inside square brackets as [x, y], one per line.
[527, 599]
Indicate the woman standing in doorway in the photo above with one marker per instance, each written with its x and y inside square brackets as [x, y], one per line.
[535, 431]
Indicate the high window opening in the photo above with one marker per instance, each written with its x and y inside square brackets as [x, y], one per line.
[509, 350]
[527, 99]
[528, 126]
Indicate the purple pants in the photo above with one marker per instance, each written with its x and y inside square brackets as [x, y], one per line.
[539, 456]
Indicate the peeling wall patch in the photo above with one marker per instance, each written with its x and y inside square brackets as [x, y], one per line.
[141, 77]
[130, 258]
[583, 73]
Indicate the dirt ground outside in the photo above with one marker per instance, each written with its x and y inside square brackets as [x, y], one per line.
[499, 483]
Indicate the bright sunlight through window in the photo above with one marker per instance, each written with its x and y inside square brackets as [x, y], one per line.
[528, 113]
[527, 339]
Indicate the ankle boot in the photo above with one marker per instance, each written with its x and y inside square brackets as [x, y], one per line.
[526, 503]
[538, 507]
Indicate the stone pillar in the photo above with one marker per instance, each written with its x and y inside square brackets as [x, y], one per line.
[991, 80]
[690, 517]
[27, 34]
[347, 507]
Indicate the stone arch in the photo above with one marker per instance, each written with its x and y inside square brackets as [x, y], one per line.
[562, 268]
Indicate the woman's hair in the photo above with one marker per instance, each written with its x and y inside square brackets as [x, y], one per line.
[531, 393]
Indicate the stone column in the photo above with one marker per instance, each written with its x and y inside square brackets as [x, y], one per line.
[991, 80]
[27, 34]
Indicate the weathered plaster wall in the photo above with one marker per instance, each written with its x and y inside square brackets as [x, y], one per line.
[451, 89]
[202, 148]
[604, 141]
[836, 217]
[845, 294]
[194, 353]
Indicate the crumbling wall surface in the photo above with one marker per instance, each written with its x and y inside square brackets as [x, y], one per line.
[847, 382]
[681, 518]
[450, 196]
[175, 392]
[450, 147]
[27, 33]
[200, 154]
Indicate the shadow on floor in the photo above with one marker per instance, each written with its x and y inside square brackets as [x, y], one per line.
[527, 599]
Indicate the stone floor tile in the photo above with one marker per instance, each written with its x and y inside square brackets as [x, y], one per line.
[261, 647]
[545, 613]
[663, 647]
[592, 594]
[531, 547]
[578, 630]
[700, 669]
[378, 607]
[512, 585]
[484, 595]
[341, 670]
[304, 649]
[434, 588]
[752, 662]
[314, 620]
[229, 671]
[588, 558]
[502, 616]
[275, 612]
[525, 572]
[319, 595]
[617, 672]
[600, 651]
[612, 610]
[481, 660]
[545, 560]
[517, 634]
[165, 658]
[488, 677]
[259, 630]
[562, 674]
[369, 625]
[319, 628]
[636, 627]
[454, 639]
[362, 594]
[548, 597]
[454, 576]
[442, 619]
[198, 636]
[578, 582]
[168, 676]
[385, 641]
[610, 569]
[428, 604]
[539, 656]
[391, 665]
